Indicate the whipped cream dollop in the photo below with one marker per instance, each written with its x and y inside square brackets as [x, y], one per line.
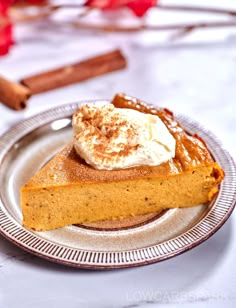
[110, 138]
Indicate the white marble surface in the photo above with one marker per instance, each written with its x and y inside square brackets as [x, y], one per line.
[195, 75]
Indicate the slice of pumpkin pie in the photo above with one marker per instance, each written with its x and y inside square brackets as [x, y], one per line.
[127, 159]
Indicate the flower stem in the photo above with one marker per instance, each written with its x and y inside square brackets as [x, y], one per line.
[144, 27]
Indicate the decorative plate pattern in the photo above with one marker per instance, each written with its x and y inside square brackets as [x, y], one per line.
[29, 145]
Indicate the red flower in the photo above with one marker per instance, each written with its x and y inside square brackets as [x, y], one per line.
[6, 40]
[5, 27]
[139, 7]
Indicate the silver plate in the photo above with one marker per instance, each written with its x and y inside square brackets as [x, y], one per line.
[29, 145]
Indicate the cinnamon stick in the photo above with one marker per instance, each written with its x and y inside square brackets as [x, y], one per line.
[13, 95]
[76, 72]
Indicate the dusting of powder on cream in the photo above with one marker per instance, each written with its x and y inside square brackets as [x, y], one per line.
[110, 138]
